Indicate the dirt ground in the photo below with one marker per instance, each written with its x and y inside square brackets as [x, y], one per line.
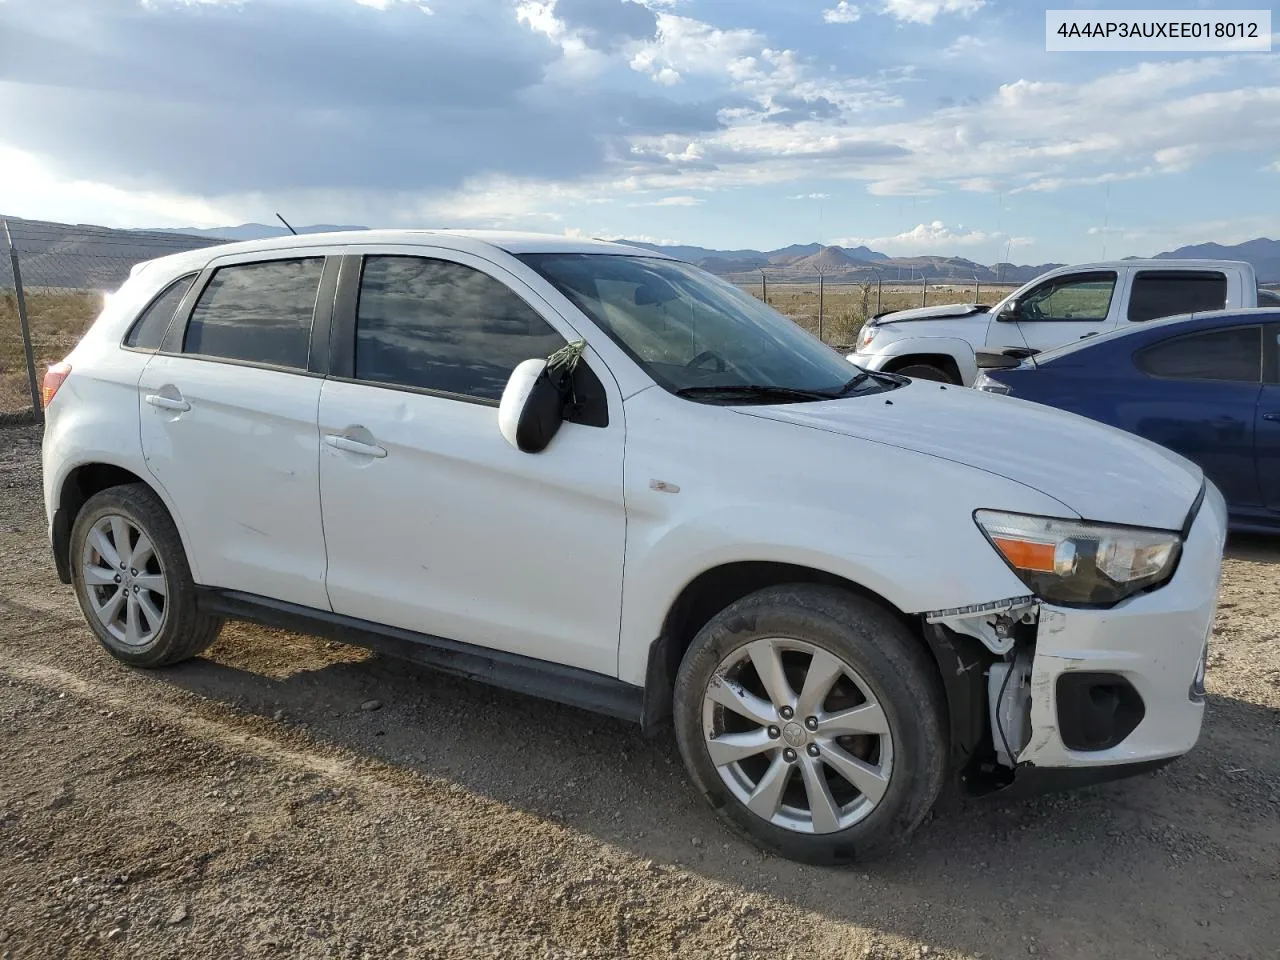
[255, 803]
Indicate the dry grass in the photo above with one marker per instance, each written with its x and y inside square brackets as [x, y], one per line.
[846, 307]
[58, 321]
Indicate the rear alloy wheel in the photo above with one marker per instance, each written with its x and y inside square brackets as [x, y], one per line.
[133, 581]
[812, 721]
[124, 581]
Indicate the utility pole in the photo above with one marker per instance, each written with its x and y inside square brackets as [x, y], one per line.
[821, 279]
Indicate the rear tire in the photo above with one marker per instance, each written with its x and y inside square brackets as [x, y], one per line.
[926, 371]
[133, 581]
[880, 721]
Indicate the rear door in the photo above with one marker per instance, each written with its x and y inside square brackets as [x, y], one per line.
[228, 414]
[1267, 441]
[1058, 311]
[1200, 400]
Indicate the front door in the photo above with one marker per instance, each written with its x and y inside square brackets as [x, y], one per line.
[1060, 310]
[433, 522]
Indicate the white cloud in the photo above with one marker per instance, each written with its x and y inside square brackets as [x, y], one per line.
[935, 238]
[810, 196]
[1273, 167]
[677, 201]
[966, 45]
[925, 11]
[842, 12]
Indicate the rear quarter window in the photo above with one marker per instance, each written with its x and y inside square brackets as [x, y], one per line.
[148, 330]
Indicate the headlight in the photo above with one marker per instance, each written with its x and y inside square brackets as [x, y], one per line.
[1075, 563]
[983, 382]
[867, 334]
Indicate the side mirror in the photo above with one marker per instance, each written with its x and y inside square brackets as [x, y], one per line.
[531, 409]
[1011, 312]
[998, 359]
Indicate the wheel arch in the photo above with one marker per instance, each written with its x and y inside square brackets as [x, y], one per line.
[943, 361]
[714, 589]
[79, 484]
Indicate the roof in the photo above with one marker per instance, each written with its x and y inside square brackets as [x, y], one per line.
[467, 240]
[1153, 264]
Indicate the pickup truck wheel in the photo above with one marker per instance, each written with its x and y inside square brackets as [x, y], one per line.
[811, 720]
[926, 371]
[133, 582]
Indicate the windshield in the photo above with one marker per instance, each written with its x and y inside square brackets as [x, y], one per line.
[696, 334]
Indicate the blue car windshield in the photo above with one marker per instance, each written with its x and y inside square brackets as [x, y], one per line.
[698, 335]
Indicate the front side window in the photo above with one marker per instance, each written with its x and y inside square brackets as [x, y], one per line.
[439, 325]
[1234, 354]
[148, 330]
[1084, 296]
[257, 312]
[1167, 293]
[692, 331]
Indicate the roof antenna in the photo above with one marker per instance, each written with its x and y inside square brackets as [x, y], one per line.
[286, 223]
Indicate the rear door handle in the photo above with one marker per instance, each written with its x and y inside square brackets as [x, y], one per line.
[168, 403]
[339, 442]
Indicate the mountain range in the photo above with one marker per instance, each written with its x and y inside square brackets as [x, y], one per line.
[92, 257]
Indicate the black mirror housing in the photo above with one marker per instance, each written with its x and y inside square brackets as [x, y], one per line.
[998, 359]
[1011, 313]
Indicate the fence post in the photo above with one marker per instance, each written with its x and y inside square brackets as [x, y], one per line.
[977, 290]
[764, 287]
[821, 280]
[36, 406]
[924, 289]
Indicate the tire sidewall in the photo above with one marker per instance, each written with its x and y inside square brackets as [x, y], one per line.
[877, 646]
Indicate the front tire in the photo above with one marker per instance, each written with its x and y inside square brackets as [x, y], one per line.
[812, 722]
[927, 371]
[133, 582]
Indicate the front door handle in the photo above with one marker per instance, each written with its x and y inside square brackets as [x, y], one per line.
[340, 442]
[1274, 417]
[168, 403]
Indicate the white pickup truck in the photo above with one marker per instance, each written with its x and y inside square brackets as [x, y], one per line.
[1065, 304]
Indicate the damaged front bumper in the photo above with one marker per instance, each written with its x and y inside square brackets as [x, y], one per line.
[1077, 696]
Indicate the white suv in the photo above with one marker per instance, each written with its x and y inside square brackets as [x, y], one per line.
[844, 587]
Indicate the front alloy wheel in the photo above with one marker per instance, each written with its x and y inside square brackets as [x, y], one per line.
[797, 735]
[812, 720]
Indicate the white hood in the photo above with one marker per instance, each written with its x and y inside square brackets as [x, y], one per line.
[1097, 471]
[943, 311]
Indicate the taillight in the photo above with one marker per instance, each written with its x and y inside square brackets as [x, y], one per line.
[53, 379]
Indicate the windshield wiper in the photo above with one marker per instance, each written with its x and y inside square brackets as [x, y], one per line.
[760, 390]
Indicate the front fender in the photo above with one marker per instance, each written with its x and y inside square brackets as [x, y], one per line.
[958, 349]
[895, 522]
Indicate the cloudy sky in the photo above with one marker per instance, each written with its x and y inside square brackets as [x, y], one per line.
[916, 126]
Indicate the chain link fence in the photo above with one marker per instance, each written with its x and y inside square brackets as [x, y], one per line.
[53, 279]
[834, 309]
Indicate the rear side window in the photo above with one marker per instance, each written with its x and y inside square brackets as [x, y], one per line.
[1167, 293]
[148, 330]
[257, 312]
[439, 325]
[1234, 354]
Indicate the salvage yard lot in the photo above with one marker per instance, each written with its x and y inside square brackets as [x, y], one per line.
[257, 803]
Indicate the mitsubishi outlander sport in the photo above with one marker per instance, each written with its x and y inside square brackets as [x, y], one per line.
[600, 475]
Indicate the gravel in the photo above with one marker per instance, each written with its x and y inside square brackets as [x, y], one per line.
[238, 805]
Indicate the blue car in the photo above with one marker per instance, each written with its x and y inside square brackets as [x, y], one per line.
[1205, 385]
